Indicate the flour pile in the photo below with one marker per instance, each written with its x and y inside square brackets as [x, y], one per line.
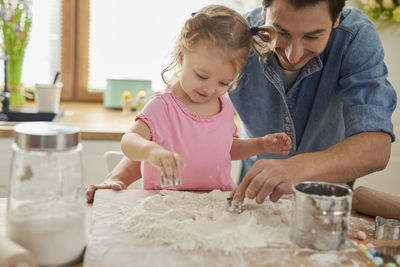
[187, 220]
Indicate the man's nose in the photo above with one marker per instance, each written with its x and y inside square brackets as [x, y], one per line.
[294, 52]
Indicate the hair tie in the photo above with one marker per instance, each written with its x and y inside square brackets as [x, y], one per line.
[194, 13]
[254, 30]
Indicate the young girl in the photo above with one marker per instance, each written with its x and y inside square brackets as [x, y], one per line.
[185, 135]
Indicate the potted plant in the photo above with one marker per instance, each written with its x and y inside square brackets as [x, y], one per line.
[15, 24]
[384, 10]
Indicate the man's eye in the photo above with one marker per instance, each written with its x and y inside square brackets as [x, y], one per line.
[311, 37]
[282, 33]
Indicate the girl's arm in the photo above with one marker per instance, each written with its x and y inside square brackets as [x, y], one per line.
[270, 143]
[125, 173]
[136, 146]
[245, 148]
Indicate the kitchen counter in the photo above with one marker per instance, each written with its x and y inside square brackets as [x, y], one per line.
[95, 121]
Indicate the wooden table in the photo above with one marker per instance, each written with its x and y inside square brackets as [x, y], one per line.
[357, 222]
[111, 245]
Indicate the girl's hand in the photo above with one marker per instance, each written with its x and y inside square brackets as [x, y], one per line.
[277, 143]
[167, 162]
[108, 184]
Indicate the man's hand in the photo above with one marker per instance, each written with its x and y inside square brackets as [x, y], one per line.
[273, 177]
[353, 157]
[277, 143]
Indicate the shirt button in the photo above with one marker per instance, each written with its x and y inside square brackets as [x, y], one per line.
[288, 128]
[290, 96]
[290, 106]
[287, 118]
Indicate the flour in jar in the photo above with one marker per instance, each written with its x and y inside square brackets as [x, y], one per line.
[53, 230]
[198, 220]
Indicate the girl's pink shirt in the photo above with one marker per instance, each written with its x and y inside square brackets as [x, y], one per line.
[204, 142]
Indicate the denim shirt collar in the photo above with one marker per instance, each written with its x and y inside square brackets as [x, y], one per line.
[272, 70]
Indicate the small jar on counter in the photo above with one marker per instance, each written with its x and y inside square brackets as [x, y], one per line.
[140, 101]
[126, 103]
[46, 204]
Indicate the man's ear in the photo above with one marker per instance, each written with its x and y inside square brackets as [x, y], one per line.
[336, 23]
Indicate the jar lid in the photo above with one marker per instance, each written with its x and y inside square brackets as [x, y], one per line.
[46, 135]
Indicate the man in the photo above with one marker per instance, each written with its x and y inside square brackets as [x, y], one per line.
[325, 84]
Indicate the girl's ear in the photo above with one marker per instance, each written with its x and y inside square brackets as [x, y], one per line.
[180, 55]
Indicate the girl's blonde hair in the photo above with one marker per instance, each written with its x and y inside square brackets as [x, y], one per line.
[224, 28]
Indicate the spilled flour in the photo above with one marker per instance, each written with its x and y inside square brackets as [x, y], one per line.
[198, 220]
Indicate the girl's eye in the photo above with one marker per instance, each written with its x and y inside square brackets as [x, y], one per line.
[223, 84]
[201, 77]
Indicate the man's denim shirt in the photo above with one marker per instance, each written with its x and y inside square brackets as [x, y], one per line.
[342, 92]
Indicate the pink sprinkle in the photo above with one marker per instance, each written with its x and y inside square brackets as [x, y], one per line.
[354, 242]
[370, 246]
[361, 235]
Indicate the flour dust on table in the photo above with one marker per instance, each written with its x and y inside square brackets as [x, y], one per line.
[188, 220]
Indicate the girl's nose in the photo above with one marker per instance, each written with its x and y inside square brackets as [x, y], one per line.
[209, 88]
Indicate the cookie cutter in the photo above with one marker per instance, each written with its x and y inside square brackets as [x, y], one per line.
[232, 207]
[166, 182]
[388, 229]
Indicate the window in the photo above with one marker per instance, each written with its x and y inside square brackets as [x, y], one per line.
[122, 39]
[42, 55]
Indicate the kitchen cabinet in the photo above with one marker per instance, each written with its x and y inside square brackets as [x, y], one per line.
[101, 131]
[94, 165]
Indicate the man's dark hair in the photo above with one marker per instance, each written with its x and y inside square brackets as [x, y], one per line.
[335, 6]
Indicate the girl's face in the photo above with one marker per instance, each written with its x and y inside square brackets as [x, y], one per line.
[206, 73]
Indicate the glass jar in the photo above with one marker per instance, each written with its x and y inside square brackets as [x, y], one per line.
[46, 204]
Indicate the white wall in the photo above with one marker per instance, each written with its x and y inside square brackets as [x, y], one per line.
[388, 180]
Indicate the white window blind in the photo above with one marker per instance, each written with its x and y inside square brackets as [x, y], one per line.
[134, 39]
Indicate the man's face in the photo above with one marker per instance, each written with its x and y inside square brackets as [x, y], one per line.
[302, 34]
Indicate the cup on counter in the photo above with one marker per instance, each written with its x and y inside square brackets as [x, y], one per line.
[47, 97]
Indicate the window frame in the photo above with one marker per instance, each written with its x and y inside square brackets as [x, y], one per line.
[75, 52]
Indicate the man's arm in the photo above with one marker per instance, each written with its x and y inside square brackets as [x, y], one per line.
[355, 156]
